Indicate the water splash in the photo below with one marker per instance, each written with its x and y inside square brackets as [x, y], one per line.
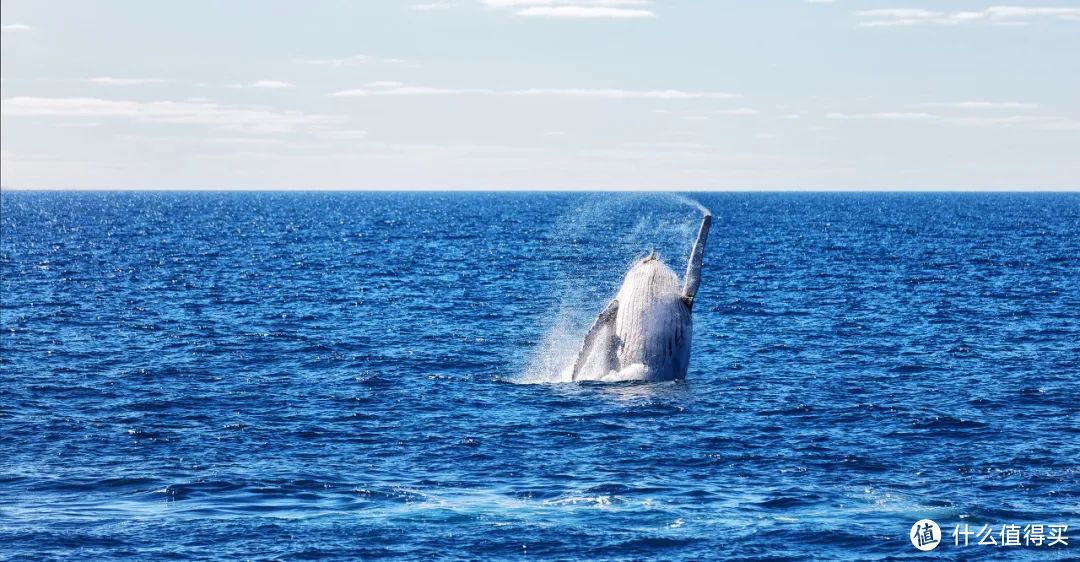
[550, 361]
[693, 203]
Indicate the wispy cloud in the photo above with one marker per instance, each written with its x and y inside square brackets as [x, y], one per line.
[982, 105]
[408, 91]
[585, 12]
[998, 15]
[258, 141]
[437, 5]
[1044, 122]
[737, 111]
[352, 60]
[621, 94]
[1002, 12]
[399, 89]
[233, 118]
[268, 84]
[883, 115]
[577, 9]
[707, 116]
[15, 27]
[111, 81]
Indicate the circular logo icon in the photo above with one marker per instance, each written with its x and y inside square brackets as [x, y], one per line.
[925, 534]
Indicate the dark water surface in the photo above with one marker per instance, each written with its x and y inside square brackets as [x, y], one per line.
[305, 375]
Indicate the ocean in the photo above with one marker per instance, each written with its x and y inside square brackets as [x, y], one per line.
[231, 376]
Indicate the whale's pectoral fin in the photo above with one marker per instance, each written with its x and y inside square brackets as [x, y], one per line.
[692, 279]
[604, 325]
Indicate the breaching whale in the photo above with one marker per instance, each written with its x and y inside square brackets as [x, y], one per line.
[644, 332]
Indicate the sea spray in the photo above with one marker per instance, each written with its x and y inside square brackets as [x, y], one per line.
[693, 203]
[550, 359]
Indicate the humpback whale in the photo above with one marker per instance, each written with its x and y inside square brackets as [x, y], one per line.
[644, 332]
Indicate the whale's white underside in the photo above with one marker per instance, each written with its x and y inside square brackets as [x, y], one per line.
[649, 336]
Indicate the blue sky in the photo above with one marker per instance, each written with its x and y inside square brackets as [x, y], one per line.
[541, 94]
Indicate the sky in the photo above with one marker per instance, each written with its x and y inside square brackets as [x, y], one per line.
[541, 94]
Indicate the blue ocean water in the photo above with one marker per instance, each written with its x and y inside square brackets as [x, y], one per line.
[360, 376]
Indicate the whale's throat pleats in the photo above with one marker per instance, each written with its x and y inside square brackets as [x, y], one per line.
[652, 320]
[644, 333]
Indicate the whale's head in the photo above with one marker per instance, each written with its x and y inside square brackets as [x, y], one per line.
[649, 278]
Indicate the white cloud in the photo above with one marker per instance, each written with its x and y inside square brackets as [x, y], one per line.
[398, 89]
[622, 94]
[257, 141]
[1047, 122]
[271, 84]
[998, 15]
[407, 91]
[527, 3]
[1024, 12]
[268, 84]
[248, 119]
[429, 6]
[738, 111]
[384, 84]
[670, 145]
[885, 115]
[111, 81]
[576, 9]
[983, 105]
[1044, 122]
[584, 12]
[352, 60]
[14, 27]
